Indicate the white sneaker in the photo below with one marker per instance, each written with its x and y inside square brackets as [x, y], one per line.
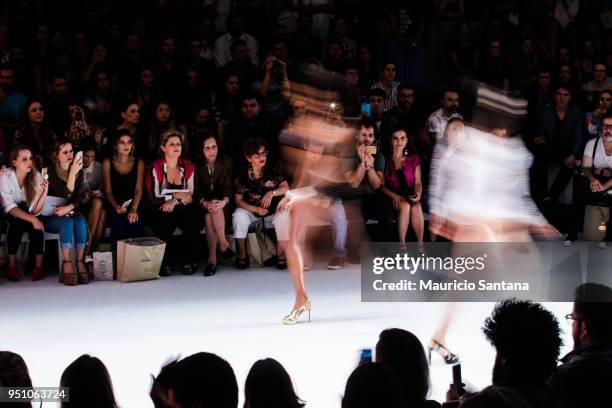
[568, 242]
[602, 245]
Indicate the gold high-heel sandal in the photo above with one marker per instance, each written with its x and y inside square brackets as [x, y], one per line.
[294, 316]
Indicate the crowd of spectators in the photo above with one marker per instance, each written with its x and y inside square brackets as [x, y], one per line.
[123, 104]
[525, 335]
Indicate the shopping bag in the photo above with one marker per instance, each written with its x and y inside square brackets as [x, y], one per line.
[259, 246]
[139, 258]
[103, 266]
[595, 220]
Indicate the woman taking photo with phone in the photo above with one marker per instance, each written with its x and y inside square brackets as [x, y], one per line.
[403, 187]
[23, 192]
[61, 215]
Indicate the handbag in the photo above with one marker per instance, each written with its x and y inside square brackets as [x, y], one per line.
[259, 246]
[103, 266]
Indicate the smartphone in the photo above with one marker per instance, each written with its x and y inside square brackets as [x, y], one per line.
[44, 174]
[78, 116]
[457, 381]
[371, 150]
[365, 356]
[78, 155]
[366, 110]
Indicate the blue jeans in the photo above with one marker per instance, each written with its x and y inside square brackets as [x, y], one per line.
[68, 228]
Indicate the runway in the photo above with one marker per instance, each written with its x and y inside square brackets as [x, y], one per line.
[136, 327]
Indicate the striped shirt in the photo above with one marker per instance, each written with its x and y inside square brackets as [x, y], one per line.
[391, 99]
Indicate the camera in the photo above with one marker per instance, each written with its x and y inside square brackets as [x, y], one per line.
[371, 150]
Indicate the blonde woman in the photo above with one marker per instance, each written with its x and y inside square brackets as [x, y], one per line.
[23, 193]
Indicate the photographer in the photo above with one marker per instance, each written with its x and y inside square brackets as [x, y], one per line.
[80, 130]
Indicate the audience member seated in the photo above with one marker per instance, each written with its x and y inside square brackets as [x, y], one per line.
[23, 192]
[256, 190]
[272, 86]
[227, 102]
[436, 123]
[102, 101]
[201, 125]
[373, 385]
[599, 83]
[527, 339]
[161, 122]
[89, 384]
[268, 385]
[215, 194]
[201, 379]
[597, 168]
[404, 354]
[235, 27]
[131, 123]
[61, 213]
[250, 123]
[80, 129]
[92, 198]
[12, 102]
[593, 119]
[35, 133]
[403, 187]
[171, 185]
[591, 320]
[494, 396]
[123, 177]
[240, 65]
[559, 142]
[389, 85]
[368, 177]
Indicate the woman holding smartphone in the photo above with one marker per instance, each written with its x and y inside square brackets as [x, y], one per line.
[403, 186]
[61, 216]
[123, 177]
[23, 191]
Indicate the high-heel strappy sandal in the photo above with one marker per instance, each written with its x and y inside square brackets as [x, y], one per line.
[446, 354]
[67, 278]
[294, 316]
[83, 276]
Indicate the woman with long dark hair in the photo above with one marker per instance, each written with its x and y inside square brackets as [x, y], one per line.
[123, 177]
[35, 133]
[23, 192]
[404, 188]
[268, 385]
[403, 353]
[89, 383]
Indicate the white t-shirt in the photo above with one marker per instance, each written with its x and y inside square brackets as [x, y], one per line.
[601, 161]
[436, 123]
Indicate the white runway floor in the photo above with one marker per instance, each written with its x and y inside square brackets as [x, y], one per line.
[134, 328]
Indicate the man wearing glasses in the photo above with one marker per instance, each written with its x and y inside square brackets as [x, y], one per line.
[591, 321]
[597, 168]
